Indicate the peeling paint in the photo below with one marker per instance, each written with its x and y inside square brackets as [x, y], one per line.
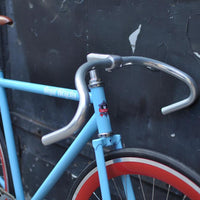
[34, 32]
[36, 158]
[62, 4]
[57, 15]
[74, 176]
[133, 38]
[173, 135]
[19, 42]
[30, 5]
[54, 19]
[196, 54]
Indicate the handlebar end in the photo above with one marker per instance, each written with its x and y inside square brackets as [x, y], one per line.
[179, 105]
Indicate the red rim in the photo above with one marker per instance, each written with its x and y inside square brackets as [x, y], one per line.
[143, 167]
[4, 169]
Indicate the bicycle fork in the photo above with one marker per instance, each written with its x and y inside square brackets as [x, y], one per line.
[98, 145]
[105, 138]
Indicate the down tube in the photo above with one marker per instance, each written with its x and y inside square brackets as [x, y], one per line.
[83, 137]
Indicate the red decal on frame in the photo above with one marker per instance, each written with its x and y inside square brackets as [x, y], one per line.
[103, 109]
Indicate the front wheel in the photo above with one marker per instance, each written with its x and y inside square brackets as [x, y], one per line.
[153, 176]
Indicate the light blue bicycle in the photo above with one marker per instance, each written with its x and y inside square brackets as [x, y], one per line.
[122, 173]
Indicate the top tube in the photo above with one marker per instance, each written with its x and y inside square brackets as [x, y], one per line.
[48, 90]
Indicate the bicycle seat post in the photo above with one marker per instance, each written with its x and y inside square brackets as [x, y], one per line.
[3, 21]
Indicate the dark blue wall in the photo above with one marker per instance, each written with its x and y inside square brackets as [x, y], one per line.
[50, 39]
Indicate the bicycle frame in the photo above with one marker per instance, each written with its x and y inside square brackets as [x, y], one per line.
[98, 122]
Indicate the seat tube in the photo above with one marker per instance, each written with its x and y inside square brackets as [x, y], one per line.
[10, 143]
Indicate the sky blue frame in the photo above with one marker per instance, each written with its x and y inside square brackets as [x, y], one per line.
[96, 123]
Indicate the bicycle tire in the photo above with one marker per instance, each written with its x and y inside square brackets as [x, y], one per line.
[172, 179]
[4, 166]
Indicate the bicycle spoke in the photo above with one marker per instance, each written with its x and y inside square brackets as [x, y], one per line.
[168, 191]
[125, 186]
[96, 196]
[117, 189]
[184, 197]
[153, 189]
[141, 185]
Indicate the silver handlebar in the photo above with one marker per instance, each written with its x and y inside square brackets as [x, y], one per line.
[188, 80]
[109, 62]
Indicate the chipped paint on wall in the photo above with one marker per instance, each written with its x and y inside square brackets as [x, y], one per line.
[133, 38]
